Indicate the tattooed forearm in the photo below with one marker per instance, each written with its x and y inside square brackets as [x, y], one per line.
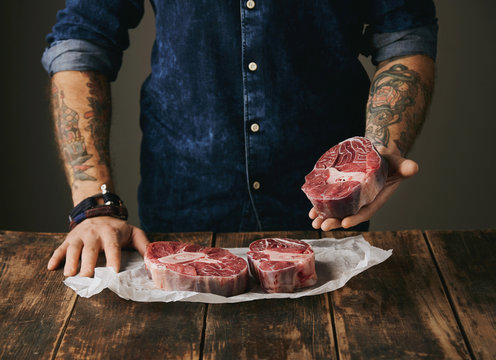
[398, 99]
[99, 115]
[71, 141]
[81, 111]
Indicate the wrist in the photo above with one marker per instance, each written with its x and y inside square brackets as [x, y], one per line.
[382, 148]
[104, 203]
[385, 151]
[84, 190]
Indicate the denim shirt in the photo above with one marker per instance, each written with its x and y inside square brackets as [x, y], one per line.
[243, 97]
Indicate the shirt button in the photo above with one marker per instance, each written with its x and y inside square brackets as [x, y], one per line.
[252, 66]
[250, 4]
[256, 185]
[255, 127]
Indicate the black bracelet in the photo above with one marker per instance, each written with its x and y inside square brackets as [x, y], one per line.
[119, 212]
[110, 200]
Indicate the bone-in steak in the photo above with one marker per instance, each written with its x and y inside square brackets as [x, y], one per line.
[190, 267]
[282, 265]
[347, 177]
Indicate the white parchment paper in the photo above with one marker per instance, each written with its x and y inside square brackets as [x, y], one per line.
[336, 261]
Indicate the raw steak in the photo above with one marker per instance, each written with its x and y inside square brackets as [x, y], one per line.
[347, 177]
[282, 265]
[190, 267]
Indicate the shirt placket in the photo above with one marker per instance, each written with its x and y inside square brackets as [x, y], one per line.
[253, 96]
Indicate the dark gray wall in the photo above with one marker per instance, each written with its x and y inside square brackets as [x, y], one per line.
[454, 189]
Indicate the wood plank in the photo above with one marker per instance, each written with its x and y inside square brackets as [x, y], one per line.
[269, 329]
[35, 305]
[467, 260]
[397, 309]
[108, 327]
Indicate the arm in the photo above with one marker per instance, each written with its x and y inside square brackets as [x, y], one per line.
[81, 109]
[399, 97]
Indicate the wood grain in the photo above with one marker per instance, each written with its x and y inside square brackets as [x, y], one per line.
[269, 329]
[108, 327]
[467, 260]
[397, 309]
[34, 303]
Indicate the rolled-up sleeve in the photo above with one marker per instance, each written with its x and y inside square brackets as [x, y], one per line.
[81, 55]
[401, 28]
[91, 35]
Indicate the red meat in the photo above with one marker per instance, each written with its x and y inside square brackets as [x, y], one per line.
[190, 267]
[347, 177]
[282, 265]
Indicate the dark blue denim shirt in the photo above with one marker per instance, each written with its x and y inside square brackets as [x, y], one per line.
[243, 97]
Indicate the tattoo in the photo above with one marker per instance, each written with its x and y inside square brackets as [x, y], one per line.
[72, 145]
[394, 97]
[390, 60]
[99, 115]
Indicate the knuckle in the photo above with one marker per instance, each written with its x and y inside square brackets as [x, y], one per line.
[94, 232]
[113, 245]
[91, 249]
[70, 236]
[73, 242]
[104, 229]
[117, 232]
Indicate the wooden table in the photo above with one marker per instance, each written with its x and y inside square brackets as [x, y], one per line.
[435, 298]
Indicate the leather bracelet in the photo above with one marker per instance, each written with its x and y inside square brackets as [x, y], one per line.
[119, 212]
[90, 207]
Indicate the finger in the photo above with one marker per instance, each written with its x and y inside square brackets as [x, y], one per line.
[139, 240]
[112, 249]
[317, 222]
[72, 257]
[330, 224]
[89, 256]
[313, 213]
[57, 256]
[367, 211]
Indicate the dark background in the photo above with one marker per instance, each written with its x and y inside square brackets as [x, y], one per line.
[455, 188]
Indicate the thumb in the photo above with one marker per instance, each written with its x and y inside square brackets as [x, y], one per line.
[401, 167]
[408, 168]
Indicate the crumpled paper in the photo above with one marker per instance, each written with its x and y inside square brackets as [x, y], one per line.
[336, 262]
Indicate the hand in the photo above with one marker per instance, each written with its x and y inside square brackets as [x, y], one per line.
[399, 170]
[90, 237]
